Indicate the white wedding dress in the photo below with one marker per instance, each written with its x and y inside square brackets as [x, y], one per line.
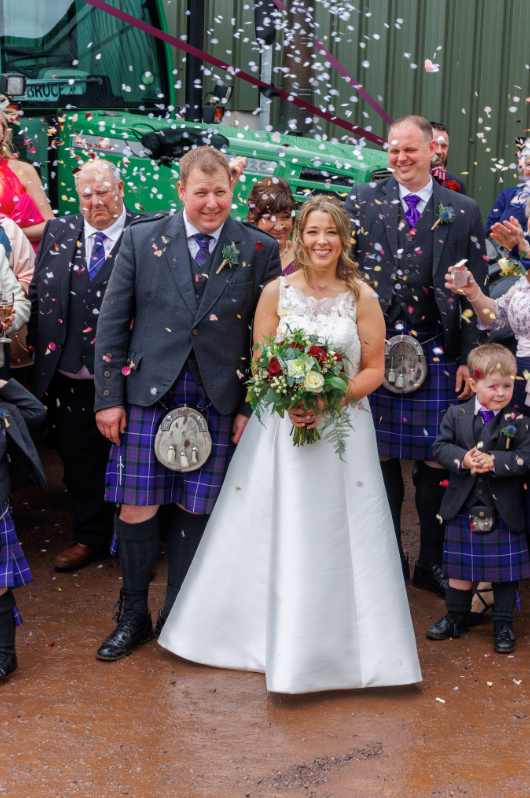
[298, 574]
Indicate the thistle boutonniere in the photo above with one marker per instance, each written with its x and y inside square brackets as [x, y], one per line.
[230, 257]
[446, 215]
[510, 431]
[3, 415]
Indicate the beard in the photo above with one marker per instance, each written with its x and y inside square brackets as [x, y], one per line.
[440, 161]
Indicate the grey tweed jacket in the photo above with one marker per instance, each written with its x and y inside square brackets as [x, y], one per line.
[152, 287]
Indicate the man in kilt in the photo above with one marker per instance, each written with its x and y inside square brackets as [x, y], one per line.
[485, 445]
[173, 331]
[407, 231]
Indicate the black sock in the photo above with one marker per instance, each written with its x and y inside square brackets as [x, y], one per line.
[503, 601]
[185, 534]
[138, 549]
[7, 624]
[395, 491]
[429, 495]
[459, 601]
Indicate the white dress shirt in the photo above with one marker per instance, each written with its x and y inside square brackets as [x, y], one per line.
[113, 234]
[478, 407]
[191, 231]
[424, 193]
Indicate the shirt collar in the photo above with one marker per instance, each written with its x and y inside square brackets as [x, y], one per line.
[424, 193]
[478, 407]
[113, 232]
[191, 230]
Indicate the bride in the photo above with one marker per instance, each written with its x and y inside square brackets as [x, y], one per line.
[298, 574]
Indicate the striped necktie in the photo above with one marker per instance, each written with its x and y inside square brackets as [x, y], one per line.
[97, 258]
[203, 254]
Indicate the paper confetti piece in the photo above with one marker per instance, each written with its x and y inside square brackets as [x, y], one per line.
[441, 700]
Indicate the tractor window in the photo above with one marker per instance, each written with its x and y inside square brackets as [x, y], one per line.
[70, 50]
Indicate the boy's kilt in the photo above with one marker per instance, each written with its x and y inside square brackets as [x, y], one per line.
[135, 475]
[498, 556]
[14, 569]
[407, 425]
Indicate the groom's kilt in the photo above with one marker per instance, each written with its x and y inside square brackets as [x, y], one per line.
[135, 475]
[407, 425]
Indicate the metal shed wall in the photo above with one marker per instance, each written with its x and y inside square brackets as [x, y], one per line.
[484, 63]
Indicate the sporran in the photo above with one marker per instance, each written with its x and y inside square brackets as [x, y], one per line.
[405, 364]
[183, 441]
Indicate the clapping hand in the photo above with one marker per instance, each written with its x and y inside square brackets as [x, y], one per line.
[236, 169]
[509, 234]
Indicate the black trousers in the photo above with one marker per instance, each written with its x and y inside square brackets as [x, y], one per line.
[85, 453]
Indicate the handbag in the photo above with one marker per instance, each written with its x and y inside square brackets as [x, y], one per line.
[18, 353]
[183, 442]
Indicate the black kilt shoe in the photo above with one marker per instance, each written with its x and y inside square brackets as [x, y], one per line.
[503, 637]
[131, 630]
[451, 625]
[8, 664]
[430, 577]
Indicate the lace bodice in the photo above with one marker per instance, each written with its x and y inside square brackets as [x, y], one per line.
[512, 309]
[329, 318]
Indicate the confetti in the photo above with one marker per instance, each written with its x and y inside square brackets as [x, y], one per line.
[441, 700]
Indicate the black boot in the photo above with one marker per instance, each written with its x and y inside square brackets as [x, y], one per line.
[503, 603]
[185, 534]
[139, 545]
[395, 492]
[8, 654]
[428, 574]
[456, 621]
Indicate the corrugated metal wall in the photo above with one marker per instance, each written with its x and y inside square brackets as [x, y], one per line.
[484, 60]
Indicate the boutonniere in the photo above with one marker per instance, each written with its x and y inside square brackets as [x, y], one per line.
[510, 431]
[230, 258]
[446, 215]
[3, 415]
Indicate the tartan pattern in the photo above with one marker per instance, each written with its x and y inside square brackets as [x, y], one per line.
[14, 569]
[519, 387]
[203, 252]
[498, 556]
[97, 258]
[144, 480]
[406, 426]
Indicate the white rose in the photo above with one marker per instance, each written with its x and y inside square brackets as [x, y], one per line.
[296, 368]
[313, 381]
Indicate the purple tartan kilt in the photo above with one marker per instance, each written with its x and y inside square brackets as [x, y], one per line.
[498, 556]
[14, 569]
[406, 426]
[142, 480]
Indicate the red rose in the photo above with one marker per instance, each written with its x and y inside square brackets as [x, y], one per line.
[294, 345]
[339, 360]
[453, 185]
[274, 368]
[318, 353]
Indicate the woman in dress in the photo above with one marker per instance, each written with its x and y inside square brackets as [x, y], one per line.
[22, 196]
[298, 574]
[511, 202]
[271, 207]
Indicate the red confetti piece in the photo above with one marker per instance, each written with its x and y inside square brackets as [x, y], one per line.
[88, 116]
[126, 370]
[52, 346]
[444, 483]
[258, 245]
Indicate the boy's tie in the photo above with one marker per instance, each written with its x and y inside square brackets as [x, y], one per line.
[487, 415]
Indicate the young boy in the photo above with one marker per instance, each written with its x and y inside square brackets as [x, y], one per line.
[19, 466]
[485, 444]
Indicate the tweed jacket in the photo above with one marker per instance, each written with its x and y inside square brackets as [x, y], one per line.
[152, 283]
[21, 410]
[374, 213]
[505, 485]
[49, 293]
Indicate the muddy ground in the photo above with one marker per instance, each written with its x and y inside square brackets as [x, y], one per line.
[153, 725]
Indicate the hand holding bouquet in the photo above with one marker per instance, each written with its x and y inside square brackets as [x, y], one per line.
[302, 369]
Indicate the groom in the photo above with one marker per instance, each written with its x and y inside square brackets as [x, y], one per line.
[407, 231]
[174, 330]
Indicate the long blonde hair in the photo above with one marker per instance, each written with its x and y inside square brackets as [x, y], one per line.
[347, 269]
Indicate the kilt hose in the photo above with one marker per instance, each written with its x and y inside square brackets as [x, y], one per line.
[14, 569]
[497, 556]
[407, 425]
[135, 475]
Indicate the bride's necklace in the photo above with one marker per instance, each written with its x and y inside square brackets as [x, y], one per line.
[284, 251]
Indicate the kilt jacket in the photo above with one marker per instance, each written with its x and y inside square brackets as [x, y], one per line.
[502, 488]
[152, 286]
[20, 464]
[375, 210]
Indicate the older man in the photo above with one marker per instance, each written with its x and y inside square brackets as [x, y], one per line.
[73, 266]
[191, 281]
[439, 170]
[408, 231]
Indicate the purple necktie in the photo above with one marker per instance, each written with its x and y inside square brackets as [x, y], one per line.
[203, 253]
[413, 213]
[487, 415]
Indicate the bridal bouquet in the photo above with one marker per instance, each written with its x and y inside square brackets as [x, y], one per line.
[302, 368]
